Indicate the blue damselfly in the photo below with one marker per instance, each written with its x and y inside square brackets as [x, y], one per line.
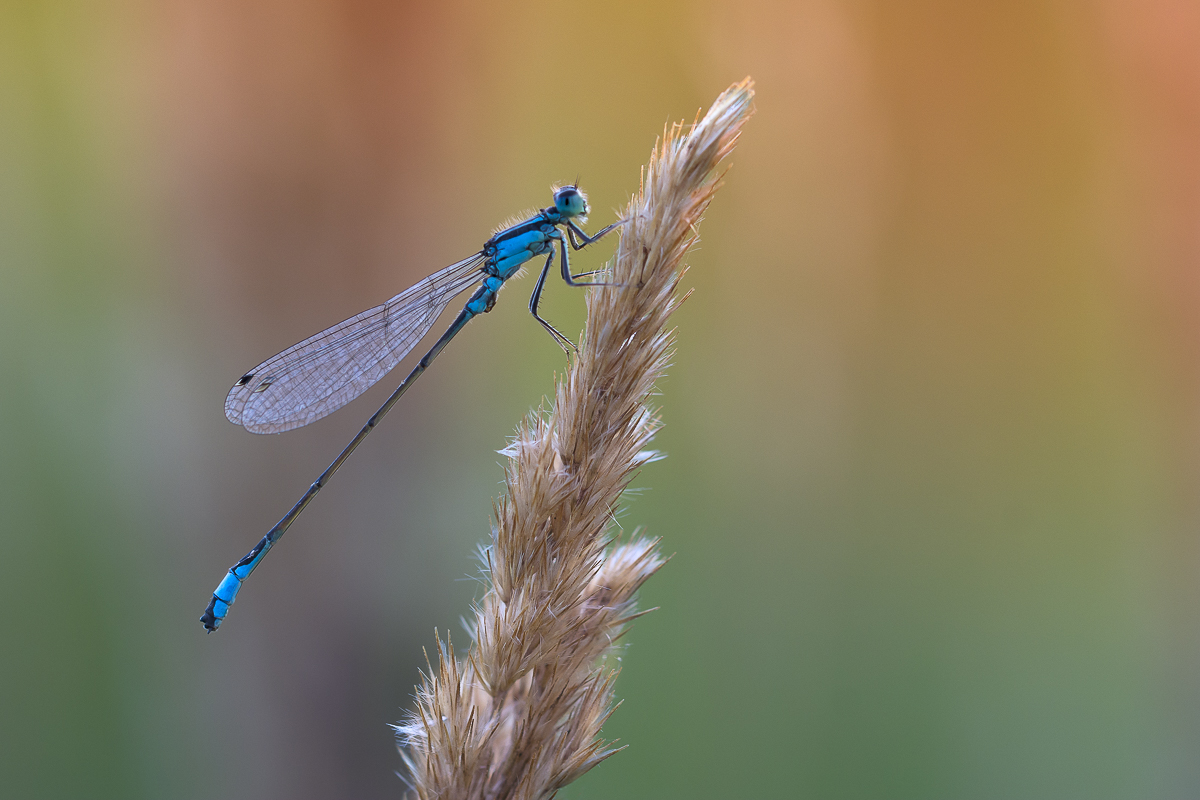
[324, 372]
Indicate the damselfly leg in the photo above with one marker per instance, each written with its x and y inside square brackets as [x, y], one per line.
[534, 299]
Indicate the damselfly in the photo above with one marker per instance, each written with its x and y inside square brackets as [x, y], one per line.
[324, 372]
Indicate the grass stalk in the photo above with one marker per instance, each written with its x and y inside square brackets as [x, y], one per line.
[520, 716]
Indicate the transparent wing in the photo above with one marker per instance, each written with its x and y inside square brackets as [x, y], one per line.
[318, 376]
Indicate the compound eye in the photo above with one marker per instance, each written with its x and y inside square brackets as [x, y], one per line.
[569, 201]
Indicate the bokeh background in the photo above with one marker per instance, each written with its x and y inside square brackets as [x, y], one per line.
[932, 427]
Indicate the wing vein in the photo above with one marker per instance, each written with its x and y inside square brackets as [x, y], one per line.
[319, 375]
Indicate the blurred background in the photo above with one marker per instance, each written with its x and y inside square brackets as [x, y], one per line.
[933, 430]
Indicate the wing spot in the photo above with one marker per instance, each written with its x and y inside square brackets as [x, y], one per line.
[242, 381]
[262, 387]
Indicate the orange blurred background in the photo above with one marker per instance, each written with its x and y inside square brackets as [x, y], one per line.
[933, 423]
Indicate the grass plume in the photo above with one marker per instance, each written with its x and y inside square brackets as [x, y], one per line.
[520, 716]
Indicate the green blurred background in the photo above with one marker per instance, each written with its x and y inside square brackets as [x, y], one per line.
[933, 424]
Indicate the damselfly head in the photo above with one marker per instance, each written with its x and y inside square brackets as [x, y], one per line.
[570, 201]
